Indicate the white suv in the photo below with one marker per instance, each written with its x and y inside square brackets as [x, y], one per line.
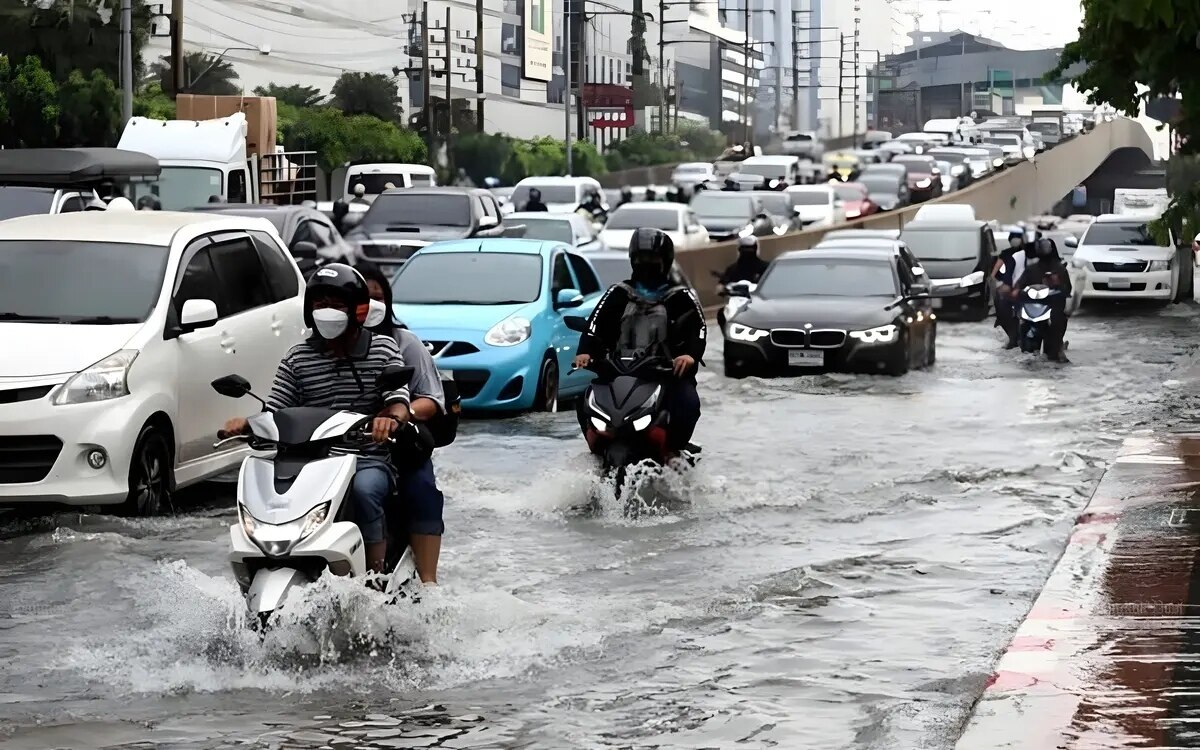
[1122, 261]
[113, 326]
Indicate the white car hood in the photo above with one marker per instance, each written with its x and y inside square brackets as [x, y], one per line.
[1105, 254]
[39, 349]
[618, 239]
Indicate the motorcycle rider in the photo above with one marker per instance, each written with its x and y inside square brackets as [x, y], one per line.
[149, 202]
[648, 300]
[651, 194]
[1048, 268]
[731, 186]
[1007, 269]
[626, 196]
[535, 201]
[594, 206]
[749, 265]
[434, 416]
[333, 369]
[341, 209]
[360, 195]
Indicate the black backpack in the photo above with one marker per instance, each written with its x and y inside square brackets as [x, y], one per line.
[444, 427]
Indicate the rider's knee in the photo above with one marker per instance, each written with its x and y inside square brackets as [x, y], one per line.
[369, 492]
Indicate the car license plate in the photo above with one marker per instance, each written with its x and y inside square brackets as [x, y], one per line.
[1118, 283]
[936, 303]
[806, 358]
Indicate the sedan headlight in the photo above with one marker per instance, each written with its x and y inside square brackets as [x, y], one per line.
[881, 335]
[278, 538]
[509, 332]
[971, 279]
[739, 332]
[1029, 152]
[923, 183]
[1159, 265]
[997, 162]
[107, 379]
[747, 231]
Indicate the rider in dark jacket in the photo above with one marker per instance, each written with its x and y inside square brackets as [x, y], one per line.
[645, 297]
[1048, 268]
[535, 201]
[749, 265]
[1008, 268]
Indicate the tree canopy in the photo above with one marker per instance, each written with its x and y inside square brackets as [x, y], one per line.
[202, 74]
[369, 94]
[294, 95]
[67, 35]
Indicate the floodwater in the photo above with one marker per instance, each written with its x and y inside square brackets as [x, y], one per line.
[854, 554]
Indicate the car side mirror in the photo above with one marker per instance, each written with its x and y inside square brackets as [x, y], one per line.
[393, 378]
[233, 386]
[197, 314]
[576, 323]
[304, 249]
[1071, 242]
[568, 298]
[488, 222]
[691, 229]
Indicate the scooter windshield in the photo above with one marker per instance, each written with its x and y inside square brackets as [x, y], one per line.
[1036, 312]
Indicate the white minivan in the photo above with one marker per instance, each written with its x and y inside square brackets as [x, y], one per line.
[560, 194]
[114, 325]
[376, 177]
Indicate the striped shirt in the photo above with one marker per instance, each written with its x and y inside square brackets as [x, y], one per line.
[310, 375]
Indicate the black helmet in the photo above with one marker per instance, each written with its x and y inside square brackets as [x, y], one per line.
[341, 281]
[148, 203]
[626, 191]
[651, 246]
[748, 244]
[535, 194]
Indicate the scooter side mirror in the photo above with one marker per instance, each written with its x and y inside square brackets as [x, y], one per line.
[393, 378]
[576, 323]
[233, 386]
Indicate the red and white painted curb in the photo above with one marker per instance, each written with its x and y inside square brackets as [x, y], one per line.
[1032, 696]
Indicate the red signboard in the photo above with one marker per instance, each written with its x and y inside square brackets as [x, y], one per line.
[607, 96]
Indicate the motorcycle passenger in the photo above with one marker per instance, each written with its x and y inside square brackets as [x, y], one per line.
[1048, 268]
[360, 195]
[341, 209]
[749, 265]
[149, 203]
[647, 312]
[535, 201]
[434, 415]
[333, 369]
[651, 194]
[1008, 268]
[731, 186]
[626, 196]
[594, 206]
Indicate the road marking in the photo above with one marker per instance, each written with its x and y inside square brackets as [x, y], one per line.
[1144, 459]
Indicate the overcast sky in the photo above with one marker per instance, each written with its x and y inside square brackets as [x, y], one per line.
[1020, 24]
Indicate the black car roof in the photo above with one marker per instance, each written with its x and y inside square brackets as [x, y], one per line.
[71, 167]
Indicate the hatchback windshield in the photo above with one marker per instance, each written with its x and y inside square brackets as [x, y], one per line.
[24, 201]
[943, 244]
[550, 194]
[1124, 234]
[182, 187]
[809, 197]
[550, 230]
[721, 207]
[635, 217]
[828, 278]
[479, 279]
[411, 209]
[878, 183]
[53, 281]
[376, 182]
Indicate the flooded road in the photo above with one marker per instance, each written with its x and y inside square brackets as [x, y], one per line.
[854, 554]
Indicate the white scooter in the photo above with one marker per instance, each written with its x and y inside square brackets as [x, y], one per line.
[293, 508]
[737, 294]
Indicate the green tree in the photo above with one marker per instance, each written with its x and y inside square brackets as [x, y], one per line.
[483, 155]
[31, 100]
[89, 110]
[295, 95]
[368, 94]
[151, 101]
[69, 35]
[338, 138]
[202, 74]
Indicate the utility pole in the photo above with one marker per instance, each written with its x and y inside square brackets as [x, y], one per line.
[479, 66]
[745, 100]
[126, 59]
[841, 81]
[662, 79]
[581, 74]
[857, 25]
[177, 46]
[449, 97]
[426, 79]
[567, 82]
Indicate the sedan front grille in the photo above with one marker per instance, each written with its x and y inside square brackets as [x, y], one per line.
[826, 339]
[789, 338]
[13, 395]
[1137, 266]
[27, 458]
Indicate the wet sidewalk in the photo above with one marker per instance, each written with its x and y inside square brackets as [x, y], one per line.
[1109, 655]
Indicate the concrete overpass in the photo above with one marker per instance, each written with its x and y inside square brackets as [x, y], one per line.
[1014, 194]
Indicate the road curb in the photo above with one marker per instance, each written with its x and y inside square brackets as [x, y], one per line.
[1032, 698]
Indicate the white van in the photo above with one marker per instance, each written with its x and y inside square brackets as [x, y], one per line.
[375, 177]
[773, 167]
[560, 194]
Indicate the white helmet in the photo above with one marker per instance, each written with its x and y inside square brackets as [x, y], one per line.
[120, 204]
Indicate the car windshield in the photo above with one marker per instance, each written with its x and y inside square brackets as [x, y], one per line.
[413, 209]
[721, 206]
[1045, 127]
[636, 217]
[182, 187]
[611, 269]
[828, 278]
[376, 182]
[809, 197]
[776, 203]
[915, 167]
[550, 194]
[55, 281]
[550, 230]
[880, 184]
[770, 171]
[478, 279]
[1002, 140]
[943, 244]
[24, 201]
[849, 193]
[1122, 234]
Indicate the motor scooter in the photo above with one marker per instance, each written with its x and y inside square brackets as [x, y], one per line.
[1036, 311]
[736, 294]
[294, 512]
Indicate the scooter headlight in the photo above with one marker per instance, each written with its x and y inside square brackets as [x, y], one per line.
[277, 539]
[599, 424]
[642, 422]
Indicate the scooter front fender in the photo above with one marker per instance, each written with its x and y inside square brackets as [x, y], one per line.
[270, 587]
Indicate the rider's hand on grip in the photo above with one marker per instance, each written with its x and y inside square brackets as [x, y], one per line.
[582, 361]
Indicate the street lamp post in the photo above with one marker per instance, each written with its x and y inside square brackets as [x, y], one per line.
[264, 50]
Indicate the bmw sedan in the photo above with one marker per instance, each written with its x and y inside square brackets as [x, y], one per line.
[833, 309]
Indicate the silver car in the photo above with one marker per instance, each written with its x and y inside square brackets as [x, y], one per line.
[804, 144]
[571, 229]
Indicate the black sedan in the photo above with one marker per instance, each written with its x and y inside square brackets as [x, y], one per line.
[826, 310]
[728, 215]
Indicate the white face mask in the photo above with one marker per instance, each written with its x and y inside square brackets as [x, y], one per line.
[377, 314]
[330, 323]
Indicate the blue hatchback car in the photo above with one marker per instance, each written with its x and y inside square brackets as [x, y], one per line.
[491, 312]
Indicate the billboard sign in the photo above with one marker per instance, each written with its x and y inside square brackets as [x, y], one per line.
[537, 56]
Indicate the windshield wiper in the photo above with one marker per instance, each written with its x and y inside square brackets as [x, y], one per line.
[30, 318]
[100, 320]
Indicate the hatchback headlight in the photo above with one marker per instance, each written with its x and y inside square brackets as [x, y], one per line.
[997, 162]
[107, 379]
[971, 279]
[1159, 265]
[923, 183]
[853, 213]
[509, 332]
[881, 335]
[739, 332]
